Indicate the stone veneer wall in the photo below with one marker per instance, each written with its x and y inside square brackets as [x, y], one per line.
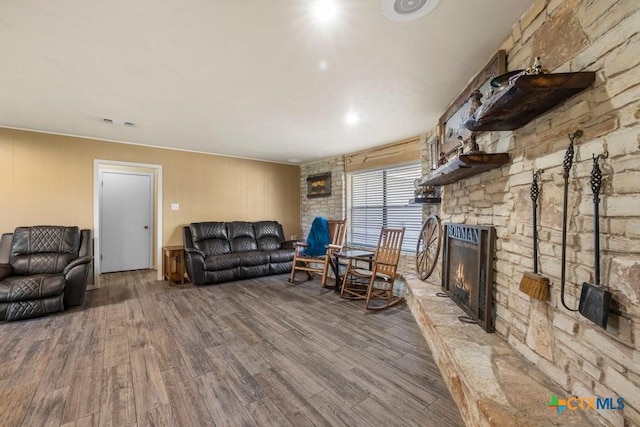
[572, 35]
[331, 207]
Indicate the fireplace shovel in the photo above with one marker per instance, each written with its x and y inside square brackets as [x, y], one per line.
[533, 284]
[595, 301]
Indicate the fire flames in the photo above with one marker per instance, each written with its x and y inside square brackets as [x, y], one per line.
[459, 279]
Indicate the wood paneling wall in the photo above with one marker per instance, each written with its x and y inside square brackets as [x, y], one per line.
[48, 179]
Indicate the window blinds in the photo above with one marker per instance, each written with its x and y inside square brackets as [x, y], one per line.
[380, 198]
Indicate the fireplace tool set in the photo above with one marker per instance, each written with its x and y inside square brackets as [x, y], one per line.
[595, 301]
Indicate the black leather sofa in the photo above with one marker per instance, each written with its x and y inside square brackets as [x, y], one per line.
[218, 252]
[43, 269]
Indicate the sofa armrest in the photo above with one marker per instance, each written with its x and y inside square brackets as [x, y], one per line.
[194, 262]
[76, 262]
[289, 244]
[76, 276]
[5, 271]
[195, 252]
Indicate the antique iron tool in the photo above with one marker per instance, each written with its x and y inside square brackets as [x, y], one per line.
[534, 284]
[567, 163]
[595, 301]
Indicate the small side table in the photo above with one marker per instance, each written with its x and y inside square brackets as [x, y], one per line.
[173, 268]
[344, 256]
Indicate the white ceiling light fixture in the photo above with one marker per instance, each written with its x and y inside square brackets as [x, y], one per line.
[352, 118]
[407, 10]
[325, 10]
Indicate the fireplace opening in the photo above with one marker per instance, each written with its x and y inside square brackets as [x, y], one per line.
[467, 265]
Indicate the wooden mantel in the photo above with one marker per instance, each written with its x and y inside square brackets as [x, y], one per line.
[465, 166]
[526, 97]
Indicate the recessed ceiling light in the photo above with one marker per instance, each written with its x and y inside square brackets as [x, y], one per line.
[325, 10]
[352, 118]
[407, 10]
[323, 65]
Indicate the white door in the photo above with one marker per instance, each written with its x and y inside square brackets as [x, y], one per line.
[126, 207]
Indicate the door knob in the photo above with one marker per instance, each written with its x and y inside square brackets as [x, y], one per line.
[146, 227]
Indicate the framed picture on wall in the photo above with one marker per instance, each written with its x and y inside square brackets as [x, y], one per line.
[319, 185]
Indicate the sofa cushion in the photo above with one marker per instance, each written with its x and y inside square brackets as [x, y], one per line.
[210, 237]
[44, 249]
[280, 267]
[251, 258]
[25, 288]
[281, 255]
[269, 235]
[242, 236]
[253, 271]
[220, 276]
[19, 310]
[221, 262]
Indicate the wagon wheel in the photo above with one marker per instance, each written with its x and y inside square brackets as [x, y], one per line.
[428, 247]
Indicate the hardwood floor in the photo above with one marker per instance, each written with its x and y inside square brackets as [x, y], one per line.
[259, 352]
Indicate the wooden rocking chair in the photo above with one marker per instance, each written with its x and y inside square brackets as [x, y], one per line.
[319, 264]
[376, 285]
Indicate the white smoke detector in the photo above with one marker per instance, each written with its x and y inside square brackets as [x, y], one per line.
[407, 10]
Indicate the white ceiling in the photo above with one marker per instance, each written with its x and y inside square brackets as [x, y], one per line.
[240, 78]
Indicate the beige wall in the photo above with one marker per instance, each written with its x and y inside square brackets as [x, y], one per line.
[48, 179]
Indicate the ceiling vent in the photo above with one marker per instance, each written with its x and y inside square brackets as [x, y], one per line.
[407, 10]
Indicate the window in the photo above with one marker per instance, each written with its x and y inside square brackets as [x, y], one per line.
[380, 198]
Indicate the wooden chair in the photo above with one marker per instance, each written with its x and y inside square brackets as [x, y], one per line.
[319, 264]
[376, 285]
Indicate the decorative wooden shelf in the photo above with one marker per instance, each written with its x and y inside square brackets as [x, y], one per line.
[465, 166]
[526, 97]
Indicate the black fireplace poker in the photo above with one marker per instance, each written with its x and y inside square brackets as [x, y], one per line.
[567, 163]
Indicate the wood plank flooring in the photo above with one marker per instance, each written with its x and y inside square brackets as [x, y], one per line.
[259, 352]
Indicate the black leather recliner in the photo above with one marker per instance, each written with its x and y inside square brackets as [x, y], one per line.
[43, 269]
[218, 252]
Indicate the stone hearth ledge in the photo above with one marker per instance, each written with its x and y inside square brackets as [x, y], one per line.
[490, 382]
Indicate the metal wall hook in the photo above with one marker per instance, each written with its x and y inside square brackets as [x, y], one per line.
[603, 156]
[577, 134]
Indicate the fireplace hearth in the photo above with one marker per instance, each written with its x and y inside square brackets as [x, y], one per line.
[467, 271]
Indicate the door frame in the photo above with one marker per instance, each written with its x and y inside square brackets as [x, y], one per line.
[101, 165]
